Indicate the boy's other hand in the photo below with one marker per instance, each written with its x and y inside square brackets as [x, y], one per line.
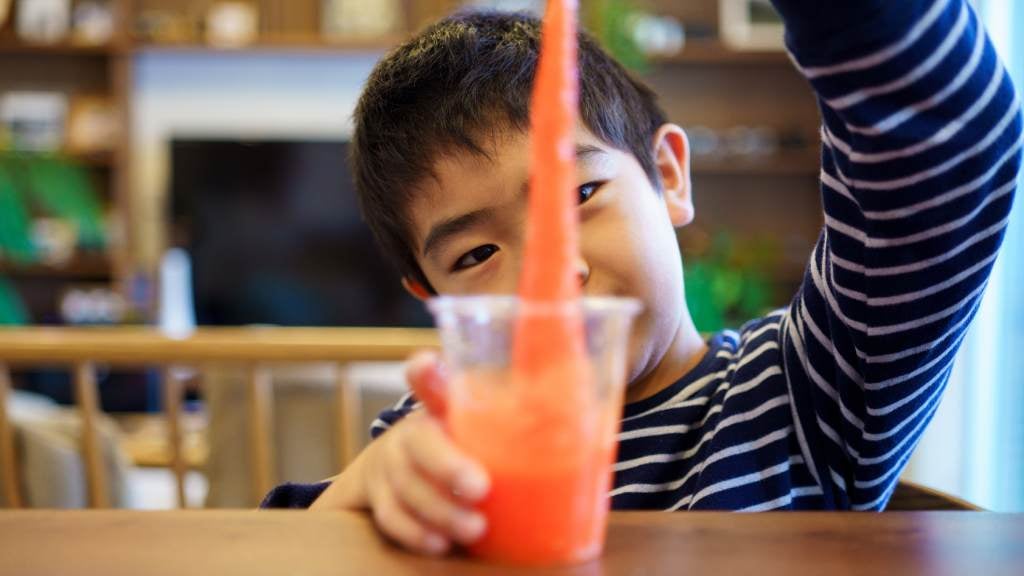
[419, 487]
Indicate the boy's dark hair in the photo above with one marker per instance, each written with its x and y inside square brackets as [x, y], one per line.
[459, 80]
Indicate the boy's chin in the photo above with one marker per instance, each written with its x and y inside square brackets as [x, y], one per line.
[638, 362]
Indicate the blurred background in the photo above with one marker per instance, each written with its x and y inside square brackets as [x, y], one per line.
[184, 162]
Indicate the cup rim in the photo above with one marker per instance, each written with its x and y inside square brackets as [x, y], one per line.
[513, 303]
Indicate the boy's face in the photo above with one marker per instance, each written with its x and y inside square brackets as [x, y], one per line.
[468, 228]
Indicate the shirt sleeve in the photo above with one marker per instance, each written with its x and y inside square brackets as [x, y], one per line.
[391, 416]
[294, 495]
[303, 495]
[921, 140]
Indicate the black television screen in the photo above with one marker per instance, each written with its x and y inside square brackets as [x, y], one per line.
[275, 236]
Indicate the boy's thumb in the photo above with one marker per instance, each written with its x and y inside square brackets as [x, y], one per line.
[426, 377]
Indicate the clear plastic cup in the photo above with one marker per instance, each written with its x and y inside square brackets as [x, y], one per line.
[548, 449]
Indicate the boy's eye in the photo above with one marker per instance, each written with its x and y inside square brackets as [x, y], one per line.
[588, 190]
[474, 257]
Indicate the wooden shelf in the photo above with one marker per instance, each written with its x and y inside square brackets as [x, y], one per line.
[103, 159]
[802, 163]
[698, 52]
[13, 46]
[303, 44]
[713, 52]
[83, 267]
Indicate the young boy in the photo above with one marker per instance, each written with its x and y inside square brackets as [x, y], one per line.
[817, 406]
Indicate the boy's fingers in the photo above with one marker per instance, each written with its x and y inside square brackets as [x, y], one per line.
[402, 527]
[420, 496]
[426, 377]
[421, 364]
[431, 451]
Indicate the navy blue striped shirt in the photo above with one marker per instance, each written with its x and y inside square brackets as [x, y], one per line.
[819, 405]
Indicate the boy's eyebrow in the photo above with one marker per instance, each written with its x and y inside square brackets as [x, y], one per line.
[586, 152]
[442, 231]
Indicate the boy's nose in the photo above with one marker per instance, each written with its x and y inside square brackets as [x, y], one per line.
[582, 271]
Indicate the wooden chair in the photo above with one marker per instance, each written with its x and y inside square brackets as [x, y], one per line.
[909, 496]
[81, 349]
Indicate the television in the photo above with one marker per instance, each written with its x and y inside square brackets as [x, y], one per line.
[275, 237]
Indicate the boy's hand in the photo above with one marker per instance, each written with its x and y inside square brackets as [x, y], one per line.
[418, 485]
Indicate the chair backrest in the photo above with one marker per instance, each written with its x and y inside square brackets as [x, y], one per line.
[909, 496]
[81, 349]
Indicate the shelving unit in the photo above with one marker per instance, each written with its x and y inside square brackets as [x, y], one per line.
[756, 200]
[75, 68]
[706, 84]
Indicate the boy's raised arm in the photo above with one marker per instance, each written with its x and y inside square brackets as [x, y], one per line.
[921, 142]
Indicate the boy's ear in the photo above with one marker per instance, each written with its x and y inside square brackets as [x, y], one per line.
[672, 157]
[415, 288]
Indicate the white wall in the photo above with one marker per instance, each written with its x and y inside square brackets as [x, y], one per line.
[230, 95]
[975, 445]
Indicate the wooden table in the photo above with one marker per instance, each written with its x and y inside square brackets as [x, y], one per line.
[251, 543]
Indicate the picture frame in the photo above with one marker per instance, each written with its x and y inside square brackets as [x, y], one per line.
[750, 25]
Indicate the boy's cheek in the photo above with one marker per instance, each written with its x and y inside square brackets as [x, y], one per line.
[614, 251]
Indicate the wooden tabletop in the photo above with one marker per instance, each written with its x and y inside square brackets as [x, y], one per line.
[252, 543]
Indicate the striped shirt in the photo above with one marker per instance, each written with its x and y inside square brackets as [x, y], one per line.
[819, 405]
